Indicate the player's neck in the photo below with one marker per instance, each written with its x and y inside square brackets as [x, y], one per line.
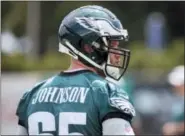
[77, 65]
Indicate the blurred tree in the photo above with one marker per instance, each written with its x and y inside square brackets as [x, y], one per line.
[33, 27]
[14, 16]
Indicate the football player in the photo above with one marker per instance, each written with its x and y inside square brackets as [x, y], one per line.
[80, 101]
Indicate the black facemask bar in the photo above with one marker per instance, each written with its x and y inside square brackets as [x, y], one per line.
[121, 64]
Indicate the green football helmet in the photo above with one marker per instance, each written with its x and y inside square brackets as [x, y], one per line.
[95, 36]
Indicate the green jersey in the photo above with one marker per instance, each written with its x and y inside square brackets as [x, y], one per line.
[72, 103]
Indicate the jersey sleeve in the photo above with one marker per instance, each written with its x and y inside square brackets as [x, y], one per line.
[21, 109]
[113, 102]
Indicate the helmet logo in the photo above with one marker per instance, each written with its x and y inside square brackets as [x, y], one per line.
[88, 23]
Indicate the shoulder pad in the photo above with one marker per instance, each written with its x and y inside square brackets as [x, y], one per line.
[116, 91]
[119, 99]
[99, 85]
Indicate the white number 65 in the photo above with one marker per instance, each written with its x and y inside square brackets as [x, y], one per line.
[47, 120]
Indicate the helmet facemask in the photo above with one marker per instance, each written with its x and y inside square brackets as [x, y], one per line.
[114, 58]
[117, 58]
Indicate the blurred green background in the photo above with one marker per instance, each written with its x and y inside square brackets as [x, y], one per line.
[39, 21]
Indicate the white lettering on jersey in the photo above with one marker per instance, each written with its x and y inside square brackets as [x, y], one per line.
[61, 95]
